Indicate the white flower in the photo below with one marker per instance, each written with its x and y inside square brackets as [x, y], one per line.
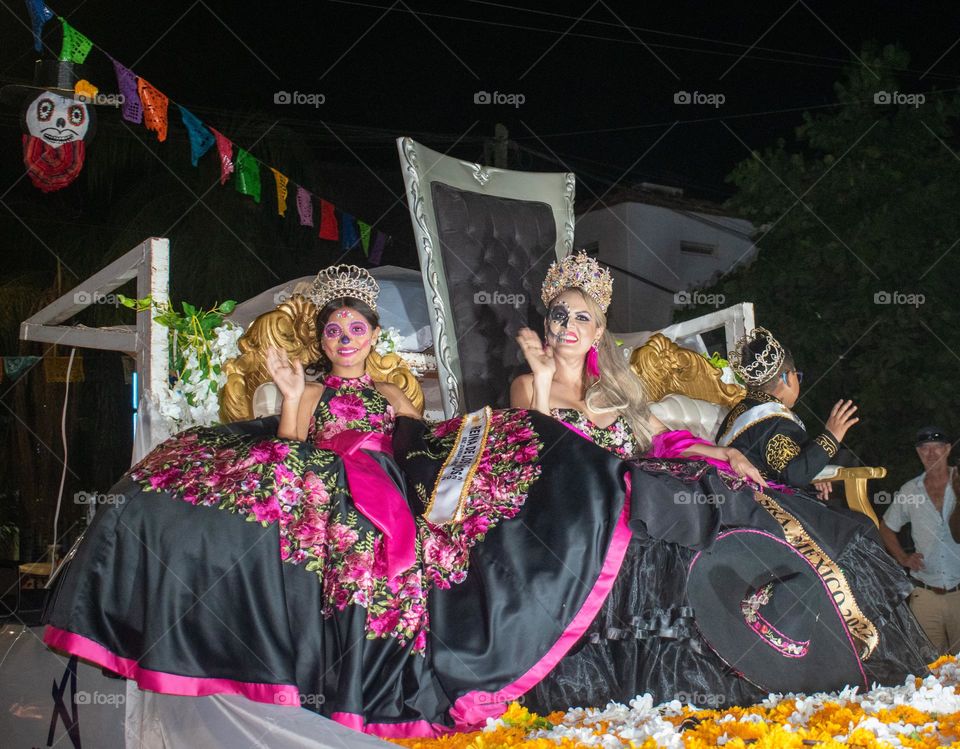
[388, 342]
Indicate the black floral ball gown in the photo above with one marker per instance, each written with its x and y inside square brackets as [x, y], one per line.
[324, 573]
[297, 573]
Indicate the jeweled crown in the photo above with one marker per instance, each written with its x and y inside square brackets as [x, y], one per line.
[760, 367]
[578, 271]
[344, 281]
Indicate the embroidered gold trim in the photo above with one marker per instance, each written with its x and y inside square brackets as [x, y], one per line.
[780, 451]
[739, 410]
[761, 397]
[793, 531]
[827, 443]
[461, 503]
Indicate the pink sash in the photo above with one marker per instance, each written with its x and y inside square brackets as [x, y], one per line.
[375, 495]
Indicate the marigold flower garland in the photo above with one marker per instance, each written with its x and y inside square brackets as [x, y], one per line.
[921, 713]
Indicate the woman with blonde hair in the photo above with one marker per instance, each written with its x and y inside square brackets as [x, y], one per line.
[580, 377]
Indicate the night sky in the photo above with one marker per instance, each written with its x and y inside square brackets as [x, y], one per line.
[598, 79]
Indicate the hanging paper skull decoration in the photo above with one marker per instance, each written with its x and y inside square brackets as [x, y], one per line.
[57, 124]
[56, 128]
[57, 119]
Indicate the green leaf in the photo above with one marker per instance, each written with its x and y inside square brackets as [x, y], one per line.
[189, 309]
[228, 306]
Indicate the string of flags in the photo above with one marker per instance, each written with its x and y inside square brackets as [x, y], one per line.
[144, 104]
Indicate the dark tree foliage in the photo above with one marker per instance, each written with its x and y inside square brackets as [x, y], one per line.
[859, 257]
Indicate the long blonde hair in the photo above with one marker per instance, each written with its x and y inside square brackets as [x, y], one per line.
[618, 389]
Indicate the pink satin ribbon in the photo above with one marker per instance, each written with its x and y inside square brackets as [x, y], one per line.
[673, 444]
[375, 495]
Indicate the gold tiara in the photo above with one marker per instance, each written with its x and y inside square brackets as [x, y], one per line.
[578, 271]
[339, 281]
[765, 364]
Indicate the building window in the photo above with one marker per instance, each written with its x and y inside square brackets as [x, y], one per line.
[698, 248]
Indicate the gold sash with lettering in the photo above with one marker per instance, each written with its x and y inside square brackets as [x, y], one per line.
[795, 534]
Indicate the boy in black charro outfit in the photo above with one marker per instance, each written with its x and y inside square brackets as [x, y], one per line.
[763, 426]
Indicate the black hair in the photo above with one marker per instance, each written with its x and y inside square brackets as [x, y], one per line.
[322, 365]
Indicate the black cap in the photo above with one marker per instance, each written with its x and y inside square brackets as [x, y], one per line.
[932, 434]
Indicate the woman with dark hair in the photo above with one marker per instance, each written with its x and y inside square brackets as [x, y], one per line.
[275, 558]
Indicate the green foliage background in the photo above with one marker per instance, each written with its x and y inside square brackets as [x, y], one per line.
[864, 200]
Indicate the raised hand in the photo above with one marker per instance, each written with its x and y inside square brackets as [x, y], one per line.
[539, 357]
[288, 375]
[841, 419]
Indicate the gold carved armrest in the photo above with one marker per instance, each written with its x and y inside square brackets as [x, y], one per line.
[665, 368]
[292, 327]
[855, 486]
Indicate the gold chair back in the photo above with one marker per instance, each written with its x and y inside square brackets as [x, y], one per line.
[292, 326]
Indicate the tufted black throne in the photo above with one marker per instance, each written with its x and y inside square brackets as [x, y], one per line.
[485, 238]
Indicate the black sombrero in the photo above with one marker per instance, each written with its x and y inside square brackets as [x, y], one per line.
[58, 76]
[764, 609]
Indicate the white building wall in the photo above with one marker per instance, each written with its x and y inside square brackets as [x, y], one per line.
[646, 240]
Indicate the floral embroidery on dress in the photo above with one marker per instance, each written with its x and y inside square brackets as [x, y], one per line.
[616, 437]
[507, 468]
[298, 486]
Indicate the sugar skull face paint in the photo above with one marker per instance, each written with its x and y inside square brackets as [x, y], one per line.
[569, 323]
[347, 337]
[355, 329]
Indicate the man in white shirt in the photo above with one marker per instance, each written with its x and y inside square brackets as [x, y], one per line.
[927, 502]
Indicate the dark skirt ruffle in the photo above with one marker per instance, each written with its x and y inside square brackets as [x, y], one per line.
[645, 639]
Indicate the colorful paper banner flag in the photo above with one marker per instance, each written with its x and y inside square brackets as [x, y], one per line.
[15, 366]
[348, 234]
[328, 221]
[305, 207]
[127, 85]
[76, 46]
[155, 104]
[248, 175]
[201, 139]
[225, 150]
[364, 236]
[39, 15]
[376, 252]
[281, 180]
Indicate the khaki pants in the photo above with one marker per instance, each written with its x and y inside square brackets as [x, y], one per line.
[939, 616]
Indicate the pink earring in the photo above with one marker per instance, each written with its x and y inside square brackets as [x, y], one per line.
[593, 361]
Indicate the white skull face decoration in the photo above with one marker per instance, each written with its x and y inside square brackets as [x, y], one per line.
[56, 119]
